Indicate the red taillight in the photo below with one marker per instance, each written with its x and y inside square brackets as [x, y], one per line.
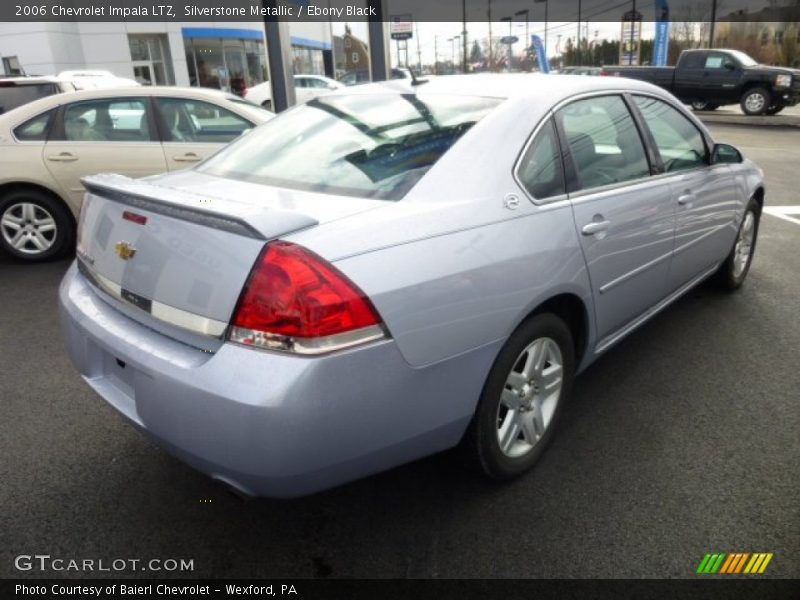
[294, 300]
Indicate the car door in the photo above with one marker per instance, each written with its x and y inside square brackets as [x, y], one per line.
[720, 77]
[705, 196]
[103, 135]
[624, 217]
[192, 130]
[303, 89]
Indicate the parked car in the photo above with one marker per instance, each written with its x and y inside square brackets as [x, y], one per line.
[593, 71]
[89, 80]
[16, 91]
[354, 77]
[384, 273]
[708, 79]
[305, 88]
[48, 145]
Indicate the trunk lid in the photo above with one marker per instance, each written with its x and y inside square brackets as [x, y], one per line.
[174, 251]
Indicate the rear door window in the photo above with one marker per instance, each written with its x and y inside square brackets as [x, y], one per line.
[108, 120]
[603, 140]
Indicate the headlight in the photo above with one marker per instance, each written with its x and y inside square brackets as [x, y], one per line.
[783, 81]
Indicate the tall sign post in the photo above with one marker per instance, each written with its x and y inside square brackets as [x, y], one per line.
[631, 39]
[401, 29]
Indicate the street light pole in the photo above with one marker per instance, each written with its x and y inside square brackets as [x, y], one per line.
[578, 44]
[464, 31]
[713, 20]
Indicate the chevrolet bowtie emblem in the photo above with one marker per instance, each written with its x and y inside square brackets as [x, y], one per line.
[124, 250]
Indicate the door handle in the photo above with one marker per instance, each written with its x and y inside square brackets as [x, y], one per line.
[188, 157]
[686, 199]
[595, 227]
[63, 157]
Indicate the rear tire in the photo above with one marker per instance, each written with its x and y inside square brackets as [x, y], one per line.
[733, 271]
[522, 398]
[35, 226]
[701, 105]
[755, 101]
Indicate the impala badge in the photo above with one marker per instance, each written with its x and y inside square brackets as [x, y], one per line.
[124, 250]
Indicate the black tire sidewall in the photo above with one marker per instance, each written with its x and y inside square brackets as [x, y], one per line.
[484, 444]
[726, 274]
[65, 227]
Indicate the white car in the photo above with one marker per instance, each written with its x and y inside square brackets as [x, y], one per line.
[88, 80]
[306, 87]
[48, 145]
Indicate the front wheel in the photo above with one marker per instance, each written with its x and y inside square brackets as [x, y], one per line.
[34, 226]
[756, 101]
[732, 272]
[522, 398]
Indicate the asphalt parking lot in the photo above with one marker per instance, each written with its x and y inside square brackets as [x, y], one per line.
[680, 441]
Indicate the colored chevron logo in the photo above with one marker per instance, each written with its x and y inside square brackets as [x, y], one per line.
[734, 563]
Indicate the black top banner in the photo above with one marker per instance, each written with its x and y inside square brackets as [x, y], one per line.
[418, 10]
[407, 589]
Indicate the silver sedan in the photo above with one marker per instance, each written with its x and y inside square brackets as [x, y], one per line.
[392, 270]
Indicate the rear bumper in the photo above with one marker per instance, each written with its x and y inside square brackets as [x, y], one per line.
[267, 423]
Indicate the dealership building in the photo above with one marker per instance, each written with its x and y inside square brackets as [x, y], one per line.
[225, 55]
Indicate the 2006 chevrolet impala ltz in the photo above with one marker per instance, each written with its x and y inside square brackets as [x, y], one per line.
[391, 270]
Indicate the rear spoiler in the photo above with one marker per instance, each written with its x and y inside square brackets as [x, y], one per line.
[242, 218]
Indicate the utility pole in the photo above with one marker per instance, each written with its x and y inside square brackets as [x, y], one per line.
[713, 20]
[491, 64]
[578, 45]
[464, 31]
[419, 52]
[436, 54]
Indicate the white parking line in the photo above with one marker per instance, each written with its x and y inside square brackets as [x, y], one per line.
[783, 212]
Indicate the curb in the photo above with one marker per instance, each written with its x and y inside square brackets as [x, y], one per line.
[762, 121]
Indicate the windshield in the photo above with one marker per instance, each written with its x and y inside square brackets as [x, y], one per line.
[743, 58]
[370, 146]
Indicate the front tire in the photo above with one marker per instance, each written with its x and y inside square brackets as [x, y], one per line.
[756, 101]
[733, 271]
[522, 398]
[35, 226]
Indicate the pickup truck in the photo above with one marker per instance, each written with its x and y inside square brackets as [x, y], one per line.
[710, 78]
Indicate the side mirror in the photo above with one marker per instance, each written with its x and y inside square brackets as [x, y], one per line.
[725, 154]
[333, 86]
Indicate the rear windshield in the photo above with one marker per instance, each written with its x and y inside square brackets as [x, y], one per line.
[369, 146]
[14, 95]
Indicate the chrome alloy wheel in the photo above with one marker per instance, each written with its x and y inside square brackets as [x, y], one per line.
[529, 398]
[28, 228]
[755, 103]
[744, 244]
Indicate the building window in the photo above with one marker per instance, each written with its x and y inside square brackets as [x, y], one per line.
[226, 63]
[307, 61]
[12, 67]
[150, 56]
